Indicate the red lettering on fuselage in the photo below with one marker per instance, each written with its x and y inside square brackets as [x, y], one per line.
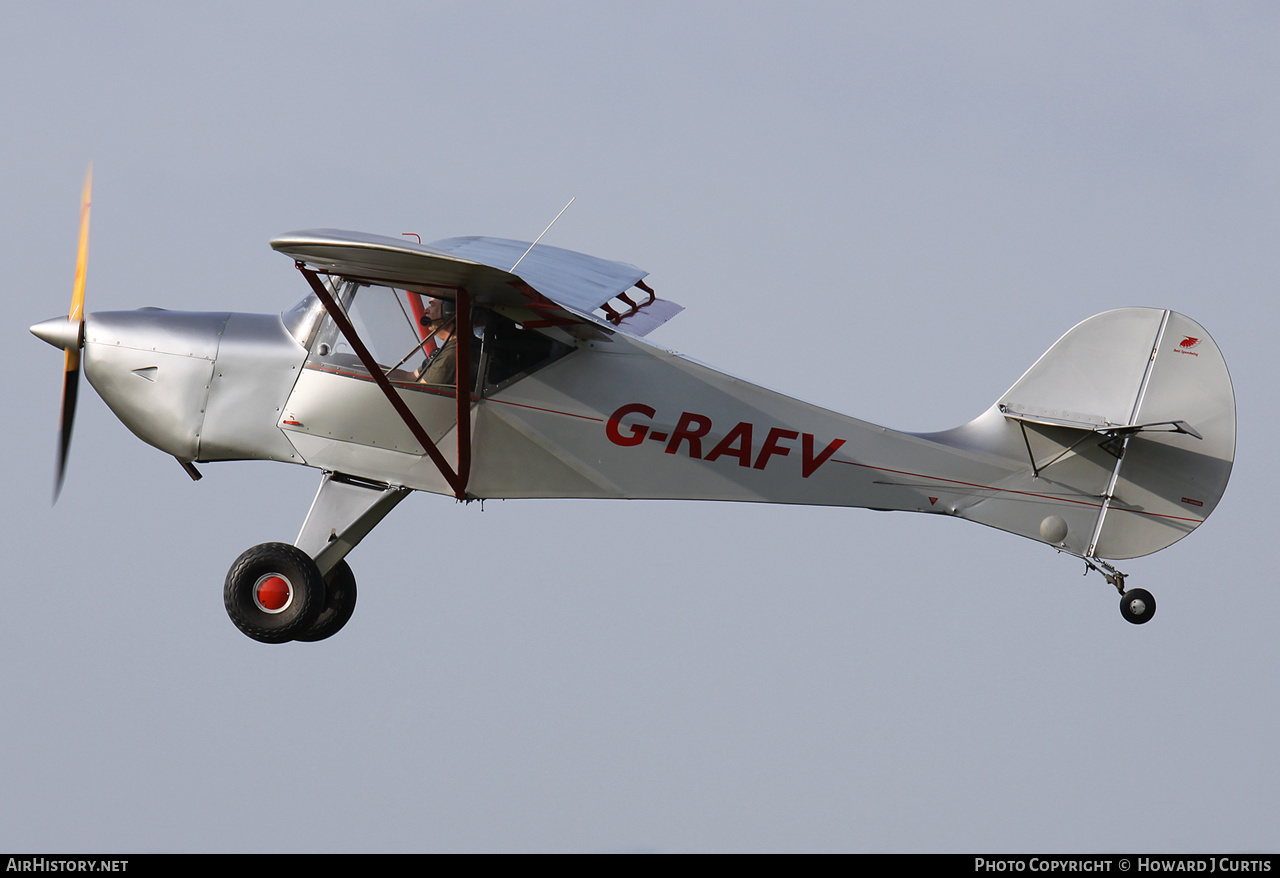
[736, 443]
[771, 446]
[690, 428]
[628, 427]
[637, 431]
[811, 463]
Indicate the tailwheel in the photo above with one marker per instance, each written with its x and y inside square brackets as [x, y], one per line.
[274, 592]
[339, 604]
[1137, 605]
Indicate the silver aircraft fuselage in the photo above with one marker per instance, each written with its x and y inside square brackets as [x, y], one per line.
[618, 417]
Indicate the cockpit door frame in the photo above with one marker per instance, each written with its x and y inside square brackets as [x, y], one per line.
[457, 479]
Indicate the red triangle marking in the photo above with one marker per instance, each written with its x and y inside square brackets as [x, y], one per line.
[933, 500]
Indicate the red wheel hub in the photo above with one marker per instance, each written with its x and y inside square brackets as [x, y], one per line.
[272, 593]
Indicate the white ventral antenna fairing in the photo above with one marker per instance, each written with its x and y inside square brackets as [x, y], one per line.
[488, 368]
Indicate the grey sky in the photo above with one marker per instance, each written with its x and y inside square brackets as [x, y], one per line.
[887, 209]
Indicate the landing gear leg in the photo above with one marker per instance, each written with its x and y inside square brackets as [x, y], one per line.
[1137, 604]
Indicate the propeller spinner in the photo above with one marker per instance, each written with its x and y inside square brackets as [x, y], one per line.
[68, 333]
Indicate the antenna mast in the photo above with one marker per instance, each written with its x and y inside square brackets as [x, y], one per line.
[544, 231]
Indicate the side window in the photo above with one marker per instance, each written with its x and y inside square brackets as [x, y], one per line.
[412, 337]
[510, 353]
[325, 336]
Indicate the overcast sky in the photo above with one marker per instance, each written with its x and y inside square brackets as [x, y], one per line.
[887, 209]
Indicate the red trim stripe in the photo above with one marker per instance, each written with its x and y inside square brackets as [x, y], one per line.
[1054, 497]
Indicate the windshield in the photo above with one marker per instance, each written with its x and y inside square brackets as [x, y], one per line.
[305, 317]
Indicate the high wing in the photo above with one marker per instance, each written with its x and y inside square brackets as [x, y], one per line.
[554, 287]
[575, 279]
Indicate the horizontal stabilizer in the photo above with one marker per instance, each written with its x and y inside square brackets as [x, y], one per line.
[1096, 425]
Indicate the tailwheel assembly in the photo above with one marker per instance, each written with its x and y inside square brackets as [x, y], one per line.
[1137, 605]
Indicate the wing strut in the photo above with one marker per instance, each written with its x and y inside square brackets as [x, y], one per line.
[462, 387]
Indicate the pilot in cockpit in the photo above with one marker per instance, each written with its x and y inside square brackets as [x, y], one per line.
[440, 366]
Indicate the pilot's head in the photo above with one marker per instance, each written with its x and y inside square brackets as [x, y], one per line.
[438, 310]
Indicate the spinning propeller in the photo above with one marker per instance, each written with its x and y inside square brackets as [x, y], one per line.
[68, 334]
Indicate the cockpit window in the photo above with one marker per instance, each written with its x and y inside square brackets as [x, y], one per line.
[406, 333]
[412, 337]
[512, 352]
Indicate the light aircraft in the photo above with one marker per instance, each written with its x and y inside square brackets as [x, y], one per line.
[1116, 443]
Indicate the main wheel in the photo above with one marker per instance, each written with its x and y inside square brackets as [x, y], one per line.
[339, 604]
[1137, 605]
[274, 592]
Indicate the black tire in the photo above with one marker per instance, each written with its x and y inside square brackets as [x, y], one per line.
[289, 583]
[1137, 606]
[339, 604]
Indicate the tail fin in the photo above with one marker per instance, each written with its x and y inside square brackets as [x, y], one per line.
[1127, 427]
